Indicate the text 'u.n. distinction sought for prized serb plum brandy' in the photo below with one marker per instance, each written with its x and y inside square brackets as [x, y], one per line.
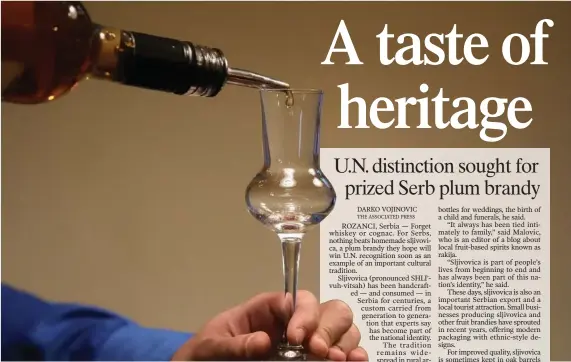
[443, 254]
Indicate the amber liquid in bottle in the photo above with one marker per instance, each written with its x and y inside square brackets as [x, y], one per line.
[50, 46]
[45, 49]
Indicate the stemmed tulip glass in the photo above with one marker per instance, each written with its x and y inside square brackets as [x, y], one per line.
[290, 195]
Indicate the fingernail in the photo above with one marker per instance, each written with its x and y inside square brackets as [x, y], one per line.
[249, 341]
[320, 346]
[299, 335]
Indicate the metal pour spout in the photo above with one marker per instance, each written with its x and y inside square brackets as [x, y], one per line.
[249, 79]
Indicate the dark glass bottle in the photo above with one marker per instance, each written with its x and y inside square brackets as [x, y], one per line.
[50, 46]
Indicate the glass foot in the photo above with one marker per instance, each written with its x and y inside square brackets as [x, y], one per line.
[286, 352]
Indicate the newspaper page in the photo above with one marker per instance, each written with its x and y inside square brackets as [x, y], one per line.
[442, 254]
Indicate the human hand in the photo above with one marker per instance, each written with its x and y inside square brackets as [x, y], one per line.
[249, 331]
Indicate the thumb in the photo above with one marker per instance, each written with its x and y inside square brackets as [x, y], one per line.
[243, 347]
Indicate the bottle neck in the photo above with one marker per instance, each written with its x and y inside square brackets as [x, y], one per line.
[157, 63]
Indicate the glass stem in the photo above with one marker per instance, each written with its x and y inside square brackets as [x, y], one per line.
[291, 248]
